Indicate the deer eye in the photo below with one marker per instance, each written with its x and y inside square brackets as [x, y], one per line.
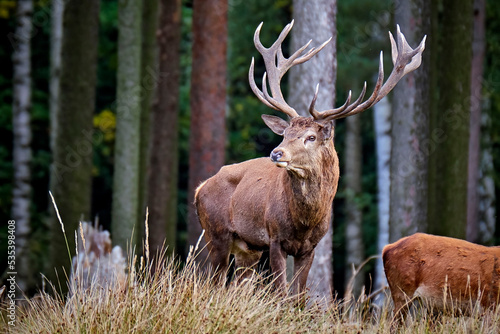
[311, 138]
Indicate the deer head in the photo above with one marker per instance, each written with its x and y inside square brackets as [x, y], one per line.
[303, 135]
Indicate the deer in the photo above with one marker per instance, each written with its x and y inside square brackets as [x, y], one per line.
[448, 273]
[283, 204]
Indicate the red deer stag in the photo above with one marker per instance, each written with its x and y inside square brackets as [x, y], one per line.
[284, 203]
[446, 272]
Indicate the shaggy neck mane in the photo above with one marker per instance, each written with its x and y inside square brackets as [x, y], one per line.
[312, 195]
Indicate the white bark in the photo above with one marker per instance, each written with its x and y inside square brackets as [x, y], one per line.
[354, 229]
[383, 141]
[315, 20]
[21, 142]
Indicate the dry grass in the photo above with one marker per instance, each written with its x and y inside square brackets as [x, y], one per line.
[184, 300]
[175, 300]
[181, 298]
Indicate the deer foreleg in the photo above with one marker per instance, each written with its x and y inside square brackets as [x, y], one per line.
[278, 264]
[301, 266]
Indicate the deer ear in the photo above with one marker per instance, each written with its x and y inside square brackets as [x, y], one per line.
[327, 130]
[276, 124]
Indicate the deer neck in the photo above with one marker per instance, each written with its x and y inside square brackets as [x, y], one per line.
[312, 193]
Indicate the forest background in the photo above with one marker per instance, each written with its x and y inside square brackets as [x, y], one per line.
[361, 33]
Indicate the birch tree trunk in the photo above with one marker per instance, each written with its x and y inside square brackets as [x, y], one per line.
[21, 128]
[382, 122]
[128, 115]
[208, 102]
[354, 229]
[316, 20]
[164, 148]
[71, 170]
[410, 130]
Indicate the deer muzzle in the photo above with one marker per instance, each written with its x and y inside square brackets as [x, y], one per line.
[277, 157]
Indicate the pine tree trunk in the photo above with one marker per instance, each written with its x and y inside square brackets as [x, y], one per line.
[164, 148]
[354, 230]
[71, 171]
[451, 120]
[21, 151]
[316, 20]
[208, 101]
[478, 49]
[148, 84]
[128, 114]
[410, 130]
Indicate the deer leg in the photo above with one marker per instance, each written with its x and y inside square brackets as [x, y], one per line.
[245, 264]
[301, 266]
[401, 308]
[278, 264]
[219, 258]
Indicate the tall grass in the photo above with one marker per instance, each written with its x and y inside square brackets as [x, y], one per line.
[177, 299]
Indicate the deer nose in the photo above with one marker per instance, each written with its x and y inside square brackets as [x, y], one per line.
[276, 155]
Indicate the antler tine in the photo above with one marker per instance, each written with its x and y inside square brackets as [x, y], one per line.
[356, 107]
[276, 66]
[405, 60]
[254, 87]
[309, 54]
[313, 111]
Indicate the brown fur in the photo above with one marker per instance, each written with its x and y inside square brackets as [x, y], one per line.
[255, 205]
[445, 271]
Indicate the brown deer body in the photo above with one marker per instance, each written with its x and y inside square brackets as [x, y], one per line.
[284, 203]
[446, 272]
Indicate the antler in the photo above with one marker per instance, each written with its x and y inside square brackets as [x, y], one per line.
[405, 60]
[276, 66]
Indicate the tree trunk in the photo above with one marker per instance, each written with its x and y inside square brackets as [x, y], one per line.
[315, 20]
[450, 123]
[128, 114]
[208, 101]
[71, 171]
[382, 121]
[354, 229]
[21, 151]
[55, 63]
[478, 49]
[410, 124]
[148, 84]
[486, 187]
[163, 173]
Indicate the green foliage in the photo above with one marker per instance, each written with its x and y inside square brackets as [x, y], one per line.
[248, 135]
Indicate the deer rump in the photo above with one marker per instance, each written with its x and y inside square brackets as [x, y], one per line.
[448, 273]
